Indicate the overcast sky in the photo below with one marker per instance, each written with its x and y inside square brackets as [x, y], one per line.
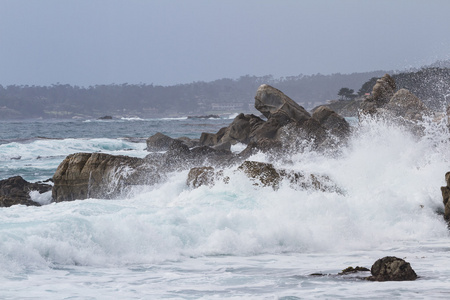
[88, 42]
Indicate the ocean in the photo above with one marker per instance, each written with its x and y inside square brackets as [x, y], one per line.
[229, 241]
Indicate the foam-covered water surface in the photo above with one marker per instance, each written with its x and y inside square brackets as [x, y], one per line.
[236, 240]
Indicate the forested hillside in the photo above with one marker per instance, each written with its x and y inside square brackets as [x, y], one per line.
[147, 100]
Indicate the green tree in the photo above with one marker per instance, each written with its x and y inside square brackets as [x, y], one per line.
[346, 93]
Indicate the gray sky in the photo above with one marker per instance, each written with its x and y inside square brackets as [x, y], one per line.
[88, 42]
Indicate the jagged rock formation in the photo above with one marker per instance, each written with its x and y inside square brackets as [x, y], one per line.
[446, 195]
[16, 190]
[391, 268]
[382, 92]
[386, 100]
[287, 124]
[263, 174]
[98, 175]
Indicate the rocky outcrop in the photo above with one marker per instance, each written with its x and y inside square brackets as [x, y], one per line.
[386, 101]
[287, 124]
[159, 142]
[162, 142]
[446, 195]
[332, 122]
[271, 102]
[406, 105]
[98, 175]
[16, 190]
[391, 268]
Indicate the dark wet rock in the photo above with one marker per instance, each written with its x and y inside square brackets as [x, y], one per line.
[16, 190]
[105, 118]
[332, 122]
[159, 142]
[264, 145]
[445, 196]
[189, 142]
[391, 268]
[351, 270]
[241, 130]
[204, 117]
[287, 123]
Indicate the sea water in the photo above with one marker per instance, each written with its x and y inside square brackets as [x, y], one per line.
[235, 240]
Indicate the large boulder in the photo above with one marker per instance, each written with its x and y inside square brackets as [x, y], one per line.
[98, 175]
[405, 104]
[272, 102]
[159, 142]
[16, 190]
[391, 268]
[446, 196]
[331, 121]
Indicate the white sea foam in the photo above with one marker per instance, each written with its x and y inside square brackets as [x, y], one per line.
[238, 240]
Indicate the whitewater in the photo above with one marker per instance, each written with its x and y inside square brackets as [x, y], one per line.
[228, 241]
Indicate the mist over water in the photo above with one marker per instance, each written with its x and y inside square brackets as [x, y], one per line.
[389, 204]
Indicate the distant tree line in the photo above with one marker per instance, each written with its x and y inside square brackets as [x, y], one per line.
[64, 100]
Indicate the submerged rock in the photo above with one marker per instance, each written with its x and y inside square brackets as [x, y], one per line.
[391, 268]
[16, 190]
[351, 270]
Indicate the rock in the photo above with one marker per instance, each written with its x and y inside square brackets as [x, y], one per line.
[271, 101]
[16, 190]
[241, 130]
[351, 270]
[200, 176]
[405, 104]
[105, 118]
[99, 175]
[189, 142]
[264, 173]
[159, 142]
[204, 117]
[211, 139]
[332, 122]
[264, 145]
[382, 93]
[383, 90]
[446, 195]
[391, 268]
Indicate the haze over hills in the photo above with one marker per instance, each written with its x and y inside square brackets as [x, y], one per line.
[148, 100]
[202, 98]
